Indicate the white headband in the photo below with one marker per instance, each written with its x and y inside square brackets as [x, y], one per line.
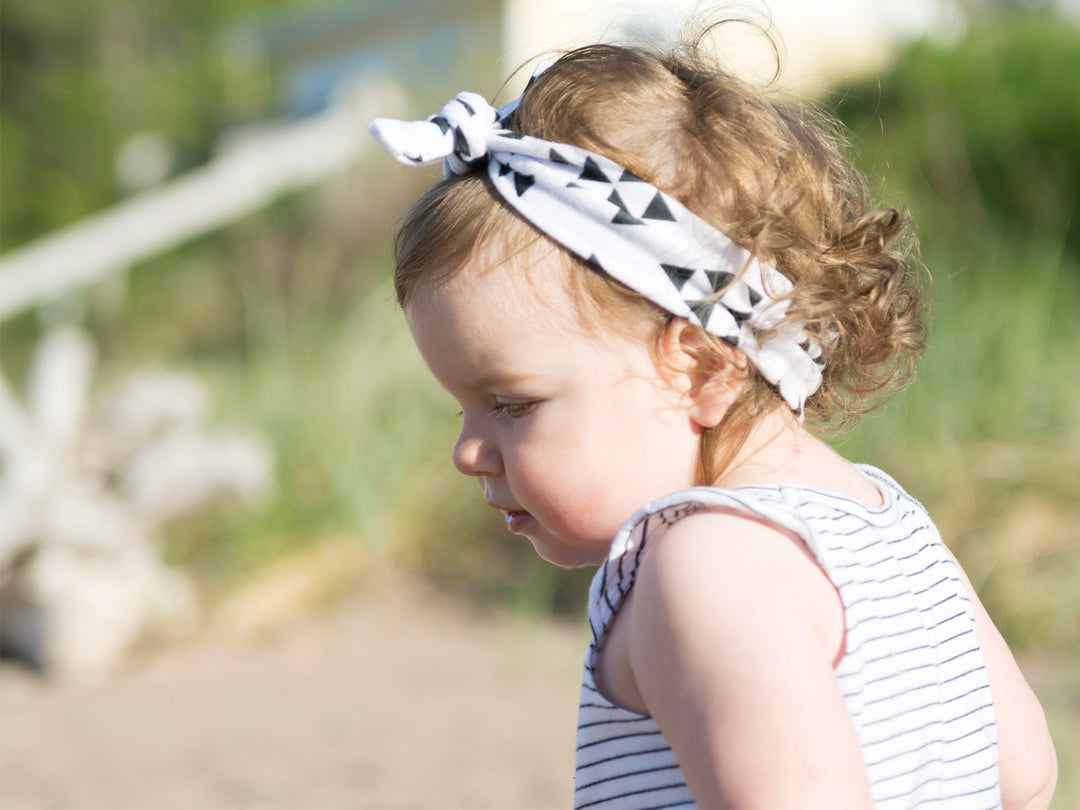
[633, 231]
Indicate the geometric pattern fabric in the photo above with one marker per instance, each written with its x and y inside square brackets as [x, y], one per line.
[634, 232]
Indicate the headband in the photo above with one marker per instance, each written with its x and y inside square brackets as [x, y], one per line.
[634, 232]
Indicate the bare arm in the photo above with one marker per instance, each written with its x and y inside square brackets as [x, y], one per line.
[736, 667]
[1027, 764]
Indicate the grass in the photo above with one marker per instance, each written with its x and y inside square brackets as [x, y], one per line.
[292, 322]
[290, 318]
[988, 436]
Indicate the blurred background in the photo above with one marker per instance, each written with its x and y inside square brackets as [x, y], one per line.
[236, 566]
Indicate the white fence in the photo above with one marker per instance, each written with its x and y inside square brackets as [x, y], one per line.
[241, 180]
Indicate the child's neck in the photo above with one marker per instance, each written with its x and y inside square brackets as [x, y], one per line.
[780, 450]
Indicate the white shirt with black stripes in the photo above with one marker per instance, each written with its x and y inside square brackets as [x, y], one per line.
[912, 673]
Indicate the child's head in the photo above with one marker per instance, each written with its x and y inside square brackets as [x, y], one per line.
[769, 178]
[568, 428]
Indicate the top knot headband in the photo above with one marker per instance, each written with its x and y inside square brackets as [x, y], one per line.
[637, 234]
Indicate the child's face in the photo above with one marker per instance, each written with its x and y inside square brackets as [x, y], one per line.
[568, 430]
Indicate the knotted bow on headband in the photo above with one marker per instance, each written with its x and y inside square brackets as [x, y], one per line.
[636, 233]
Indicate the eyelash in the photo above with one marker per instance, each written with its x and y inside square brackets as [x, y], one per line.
[510, 410]
[513, 410]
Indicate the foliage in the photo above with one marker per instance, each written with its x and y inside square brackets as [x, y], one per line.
[79, 77]
[286, 312]
[978, 139]
[984, 130]
[288, 315]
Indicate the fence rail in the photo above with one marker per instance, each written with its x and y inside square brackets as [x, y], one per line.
[238, 182]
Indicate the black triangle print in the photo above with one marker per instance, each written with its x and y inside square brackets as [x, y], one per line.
[441, 123]
[555, 157]
[740, 317]
[703, 309]
[591, 171]
[522, 182]
[623, 215]
[629, 177]
[755, 297]
[572, 185]
[514, 136]
[461, 146]
[718, 279]
[462, 102]
[820, 360]
[504, 168]
[678, 275]
[658, 209]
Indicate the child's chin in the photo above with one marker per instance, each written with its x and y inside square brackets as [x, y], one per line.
[564, 557]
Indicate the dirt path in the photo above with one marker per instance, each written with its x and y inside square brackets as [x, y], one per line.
[395, 698]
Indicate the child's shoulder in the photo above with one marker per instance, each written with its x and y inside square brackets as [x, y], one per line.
[752, 555]
[708, 552]
[751, 569]
[729, 627]
[750, 550]
[732, 519]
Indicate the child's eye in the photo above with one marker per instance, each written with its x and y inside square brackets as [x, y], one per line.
[513, 410]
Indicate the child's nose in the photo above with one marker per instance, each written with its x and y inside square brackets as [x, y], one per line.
[476, 456]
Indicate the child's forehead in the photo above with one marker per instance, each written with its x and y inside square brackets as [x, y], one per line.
[537, 261]
[526, 282]
[501, 286]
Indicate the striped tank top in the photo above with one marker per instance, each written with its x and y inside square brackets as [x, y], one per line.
[912, 673]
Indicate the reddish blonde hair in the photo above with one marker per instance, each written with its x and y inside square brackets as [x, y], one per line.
[772, 178]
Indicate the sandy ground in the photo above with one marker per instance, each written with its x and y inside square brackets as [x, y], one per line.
[394, 698]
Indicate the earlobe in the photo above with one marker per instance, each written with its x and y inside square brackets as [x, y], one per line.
[714, 398]
[711, 372]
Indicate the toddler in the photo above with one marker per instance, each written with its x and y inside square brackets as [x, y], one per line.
[642, 281]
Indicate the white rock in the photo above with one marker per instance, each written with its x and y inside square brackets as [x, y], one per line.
[74, 614]
[147, 405]
[26, 471]
[187, 469]
[81, 514]
[80, 505]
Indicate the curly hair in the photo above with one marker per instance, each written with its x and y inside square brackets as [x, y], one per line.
[772, 177]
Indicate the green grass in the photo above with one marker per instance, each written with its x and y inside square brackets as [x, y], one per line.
[988, 436]
[290, 318]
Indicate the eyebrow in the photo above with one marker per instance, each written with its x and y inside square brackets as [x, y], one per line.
[494, 379]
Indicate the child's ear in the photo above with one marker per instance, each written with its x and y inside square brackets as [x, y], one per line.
[709, 373]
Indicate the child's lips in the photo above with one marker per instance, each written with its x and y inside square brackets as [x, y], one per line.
[515, 520]
[514, 517]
